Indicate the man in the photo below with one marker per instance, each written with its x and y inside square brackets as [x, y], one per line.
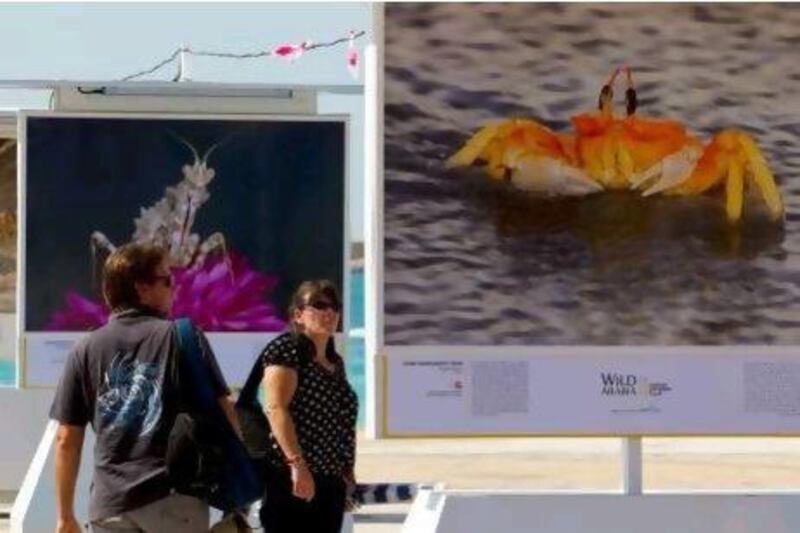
[125, 379]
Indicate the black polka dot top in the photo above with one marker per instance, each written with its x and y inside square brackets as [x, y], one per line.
[324, 408]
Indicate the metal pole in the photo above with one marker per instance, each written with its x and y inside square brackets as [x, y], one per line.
[372, 243]
[632, 465]
[185, 74]
[373, 227]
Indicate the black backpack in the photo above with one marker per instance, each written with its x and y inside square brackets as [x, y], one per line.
[204, 456]
[195, 459]
[254, 423]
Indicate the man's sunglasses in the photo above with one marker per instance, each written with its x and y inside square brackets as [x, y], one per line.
[166, 278]
[323, 305]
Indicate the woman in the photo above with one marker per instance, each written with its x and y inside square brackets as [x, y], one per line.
[312, 412]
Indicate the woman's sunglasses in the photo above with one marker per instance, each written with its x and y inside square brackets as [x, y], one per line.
[323, 305]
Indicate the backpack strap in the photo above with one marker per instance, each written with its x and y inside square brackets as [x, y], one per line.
[190, 348]
[249, 392]
[240, 482]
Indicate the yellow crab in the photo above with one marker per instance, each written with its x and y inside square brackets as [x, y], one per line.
[609, 152]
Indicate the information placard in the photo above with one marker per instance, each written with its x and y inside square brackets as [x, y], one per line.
[583, 392]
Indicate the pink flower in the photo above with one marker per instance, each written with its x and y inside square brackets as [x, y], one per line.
[219, 296]
[80, 314]
[226, 297]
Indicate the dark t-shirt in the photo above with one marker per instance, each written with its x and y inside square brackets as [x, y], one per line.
[125, 380]
[324, 408]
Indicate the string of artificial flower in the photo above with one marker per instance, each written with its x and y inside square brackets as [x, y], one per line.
[288, 52]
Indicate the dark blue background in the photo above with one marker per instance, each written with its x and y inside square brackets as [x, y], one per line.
[277, 197]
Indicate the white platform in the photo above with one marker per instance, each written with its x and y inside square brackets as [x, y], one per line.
[462, 511]
[23, 415]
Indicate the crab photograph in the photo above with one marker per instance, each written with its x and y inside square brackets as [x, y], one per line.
[246, 210]
[598, 174]
[612, 153]
[8, 225]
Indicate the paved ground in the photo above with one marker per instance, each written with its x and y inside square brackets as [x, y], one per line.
[6, 498]
[582, 463]
[554, 463]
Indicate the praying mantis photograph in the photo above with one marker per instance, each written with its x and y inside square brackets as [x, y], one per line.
[245, 209]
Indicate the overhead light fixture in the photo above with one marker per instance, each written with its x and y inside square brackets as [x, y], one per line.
[179, 89]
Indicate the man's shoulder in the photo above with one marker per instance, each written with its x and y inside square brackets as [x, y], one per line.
[144, 323]
[117, 332]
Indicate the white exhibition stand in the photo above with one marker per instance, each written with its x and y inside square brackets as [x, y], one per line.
[23, 414]
[439, 510]
[463, 511]
[34, 509]
[631, 511]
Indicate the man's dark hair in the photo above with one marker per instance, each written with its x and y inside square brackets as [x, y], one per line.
[125, 267]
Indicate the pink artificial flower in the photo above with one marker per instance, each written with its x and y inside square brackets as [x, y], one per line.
[352, 56]
[219, 296]
[290, 52]
[352, 62]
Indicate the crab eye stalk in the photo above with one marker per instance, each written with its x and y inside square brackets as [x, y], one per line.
[630, 100]
[606, 97]
[630, 93]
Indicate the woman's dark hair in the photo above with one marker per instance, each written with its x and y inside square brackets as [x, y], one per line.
[125, 267]
[307, 292]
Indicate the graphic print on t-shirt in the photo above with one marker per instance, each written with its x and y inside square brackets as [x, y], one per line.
[131, 398]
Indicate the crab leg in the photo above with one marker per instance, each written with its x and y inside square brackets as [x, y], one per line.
[734, 190]
[762, 177]
[626, 165]
[734, 157]
[474, 147]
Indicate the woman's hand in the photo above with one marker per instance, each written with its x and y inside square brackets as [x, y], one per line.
[68, 525]
[303, 485]
[350, 504]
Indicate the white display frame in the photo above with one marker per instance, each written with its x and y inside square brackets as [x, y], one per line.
[42, 368]
[8, 130]
[382, 377]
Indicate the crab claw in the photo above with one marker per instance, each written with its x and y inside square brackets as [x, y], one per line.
[667, 173]
[550, 177]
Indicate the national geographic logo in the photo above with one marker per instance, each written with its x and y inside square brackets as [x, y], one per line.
[631, 385]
